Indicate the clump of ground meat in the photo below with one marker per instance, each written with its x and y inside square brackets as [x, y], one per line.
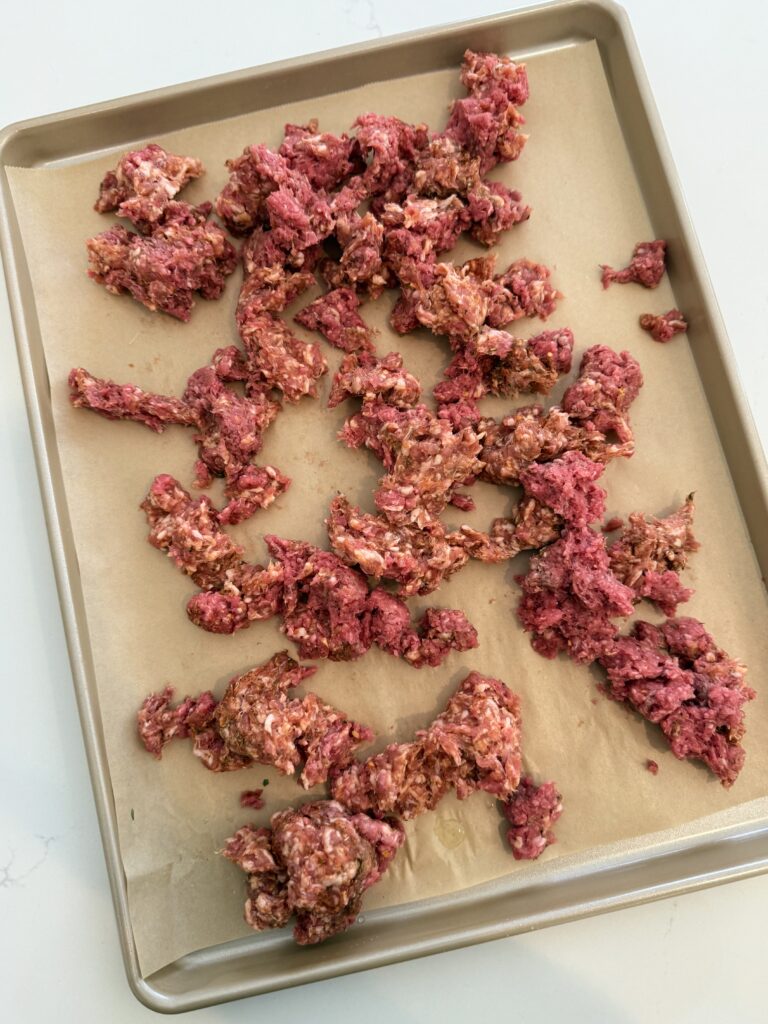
[570, 597]
[128, 402]
[474, 744]
[314, 863]
[335, 315]
[646, 266]
[523, 290]
[256, 722]
[607, 385]
[363, 375]
[184, 253]
[531, 812]
[677, 677]
[531, 525]
[418, 558]
[650, 552]
[665, 326]
[325, 159]
[144, 182]
[252, 798]
[361, 265]
[278, 359]
[271, 282]
[493, 209]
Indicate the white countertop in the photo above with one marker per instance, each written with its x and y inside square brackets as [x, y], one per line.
[698, 958]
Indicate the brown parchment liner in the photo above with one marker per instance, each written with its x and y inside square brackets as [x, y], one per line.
[174, 816]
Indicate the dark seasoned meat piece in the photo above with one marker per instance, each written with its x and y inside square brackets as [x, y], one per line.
[493, 209]
[676, 676]
[185, 253]
[570, 596]
[314, 862]
[607, 385]
[664, 327]
[523, 290]
[279, 358]
[403, 317]
[361, 265]
[457, 302]
[335, 315]
[144, 182]
[445, 168]
[128, 402]
[270, 284]
[362, 375]
[438, 632]
[418, 558]
[646, 266]
[245, 594]
[531, 812]
[325, 159]
[532, 525]
[158, 723]
[650, 552]
[252, 177]
[474, 744]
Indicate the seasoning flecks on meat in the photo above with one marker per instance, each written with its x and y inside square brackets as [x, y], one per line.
[144, 182]
[362, 375]
[665, 326]
[607, 385]
[279, 358]
[646, 266]
[493, 209]
[650, 552]
[361, 265]
[314, 863]
[531, 812]
[252, 177]
[531, 525]
[335, 315]
[255, 487]
[326, 159]
[418, 558]
[570, 597]
[474, 744]
[270, 283]
[390, 147]
[457, 302]
[488, 74]
[185, 253]
[677, 677]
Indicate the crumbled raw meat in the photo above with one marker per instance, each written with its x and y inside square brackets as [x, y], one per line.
[487, 128]
[361, 265]
[184, 254]
[568, 486]
[613, 524]
[299, 215]
[335, 315]
[418, 558]
[128, 402]
[446, 168]
[431, 226]
[646, 266]
[362, 375]
[326, 159]
[390, 147]
[649, 553]
[144, 182]
[652, 766]
[403, 317]
[252, 798]
[607, 385]
[270, 285]
[315, 862]
[474, 744]
[570, 596]
[531, 812]
[664, 327]
[255, 487]
[487, 74]
[279, 358]
[253, 176]
[677, 677]
[532, 525]
[257, 722]
[457, 303]
[493, 209]
[523, 290]
[245, 594]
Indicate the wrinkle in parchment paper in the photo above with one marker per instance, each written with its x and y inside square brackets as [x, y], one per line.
[174, 816]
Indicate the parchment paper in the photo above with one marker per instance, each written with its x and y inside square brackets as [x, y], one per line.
[173, 816]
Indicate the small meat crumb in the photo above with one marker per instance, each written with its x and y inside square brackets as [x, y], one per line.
[652, 767]
[664, 327]
[646, 266]
[613, 524]
[252, 798]
[532, 811]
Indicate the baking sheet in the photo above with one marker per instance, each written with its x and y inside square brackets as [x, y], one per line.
[173, 817]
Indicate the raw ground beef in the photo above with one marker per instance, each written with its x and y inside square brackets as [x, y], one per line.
[677, 677]
[652, 766]
[607, 385]
[531, 812]
[256, 722]
[326, 159]
[570, 597]
[664, 327]
[128, 402]
[531, 525]
[144, 182]
[183, 254]
[650, 552]
[279, 359]
[270, 282]
[523, 290]
[314, 863]
[474, 744]
[335, 315]
[646, 266]
[363, 375]
[418, 558]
